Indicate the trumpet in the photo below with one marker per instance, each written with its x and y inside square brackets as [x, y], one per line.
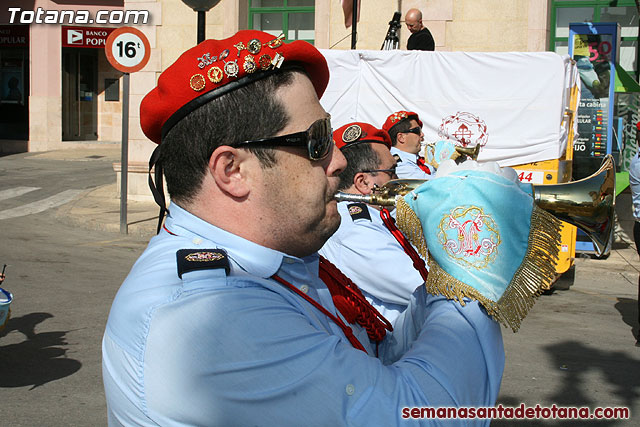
[468, 151]
[588, 203]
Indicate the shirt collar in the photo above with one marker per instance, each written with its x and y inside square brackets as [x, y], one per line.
[404, 156]
[254, 259]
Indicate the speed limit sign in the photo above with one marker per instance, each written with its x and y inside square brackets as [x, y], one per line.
[127, 49]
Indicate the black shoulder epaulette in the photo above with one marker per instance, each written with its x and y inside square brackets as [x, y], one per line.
[397, 157]
[358, 211]
[201, 259]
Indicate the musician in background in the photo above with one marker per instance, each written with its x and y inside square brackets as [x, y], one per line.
[405, 131]
[363, 247]
[224, 319]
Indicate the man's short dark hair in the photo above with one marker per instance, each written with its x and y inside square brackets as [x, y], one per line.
[359, 157]
[250, 112]
[400, 127]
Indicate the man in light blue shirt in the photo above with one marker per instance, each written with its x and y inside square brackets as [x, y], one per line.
[363, 247]
[634, 182]
[224, 319]
[405, 131]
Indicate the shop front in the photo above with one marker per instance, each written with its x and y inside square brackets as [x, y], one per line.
[87, 85]
[14, 82]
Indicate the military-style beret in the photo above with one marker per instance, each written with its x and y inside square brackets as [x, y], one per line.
[355, 133]
[398, 116]
[215, 67]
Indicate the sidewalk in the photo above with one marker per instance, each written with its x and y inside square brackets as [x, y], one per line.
[99, 208]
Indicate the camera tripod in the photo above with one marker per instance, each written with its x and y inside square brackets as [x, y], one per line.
[391, 41]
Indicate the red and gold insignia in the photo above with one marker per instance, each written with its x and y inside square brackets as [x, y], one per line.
[355, 210]
[352, 133]
[399, 116]
[264, 61]
[197, 82]
[204, 256]
[254, 46]
[215, 74]
[249, 64]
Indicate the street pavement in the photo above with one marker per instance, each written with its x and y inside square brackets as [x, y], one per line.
[576, 347]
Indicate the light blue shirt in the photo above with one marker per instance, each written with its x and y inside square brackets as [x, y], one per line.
[366, 251]
[634, 182]
[217, 349]
[407, 168]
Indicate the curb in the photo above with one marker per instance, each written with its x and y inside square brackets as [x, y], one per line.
[99, 209]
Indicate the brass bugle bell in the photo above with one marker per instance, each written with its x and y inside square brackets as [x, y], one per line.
[588, 203]
[472, 152]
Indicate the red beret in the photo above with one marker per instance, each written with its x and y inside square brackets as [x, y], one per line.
[355, 133]
[398, 116]
[216, 67]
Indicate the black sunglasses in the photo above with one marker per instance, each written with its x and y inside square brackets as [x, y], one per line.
[391, 171]
[416, 130]
[318, 139]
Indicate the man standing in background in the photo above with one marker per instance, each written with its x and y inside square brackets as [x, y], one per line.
[421, 38]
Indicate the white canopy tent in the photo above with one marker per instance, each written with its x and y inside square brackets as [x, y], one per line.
[510, 103]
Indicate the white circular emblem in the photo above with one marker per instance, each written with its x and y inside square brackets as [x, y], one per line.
[352, 133]
[464, 129]
[231, 68]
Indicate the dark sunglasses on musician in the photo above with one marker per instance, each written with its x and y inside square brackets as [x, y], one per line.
[391, 171]
[318, 139]
[417, 130]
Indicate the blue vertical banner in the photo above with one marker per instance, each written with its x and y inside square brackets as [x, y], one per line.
[594, 47]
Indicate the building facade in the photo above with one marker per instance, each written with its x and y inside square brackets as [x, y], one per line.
[57, 89]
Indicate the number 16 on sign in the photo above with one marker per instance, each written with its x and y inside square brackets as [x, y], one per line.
[127, 49]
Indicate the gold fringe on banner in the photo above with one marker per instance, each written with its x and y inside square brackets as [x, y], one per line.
[535, 274]
[410, 225]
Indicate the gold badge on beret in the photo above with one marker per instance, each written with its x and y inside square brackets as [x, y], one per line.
[231, 68]
[264, 61]
[352, 133]
[215, 74]
[277, 42]
[249, 64]
[254, 46]
[240, 46]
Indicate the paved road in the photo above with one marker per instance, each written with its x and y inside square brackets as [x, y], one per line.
[63, 278]
[575, 348]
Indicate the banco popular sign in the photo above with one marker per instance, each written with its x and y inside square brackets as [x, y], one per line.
[92, 37]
